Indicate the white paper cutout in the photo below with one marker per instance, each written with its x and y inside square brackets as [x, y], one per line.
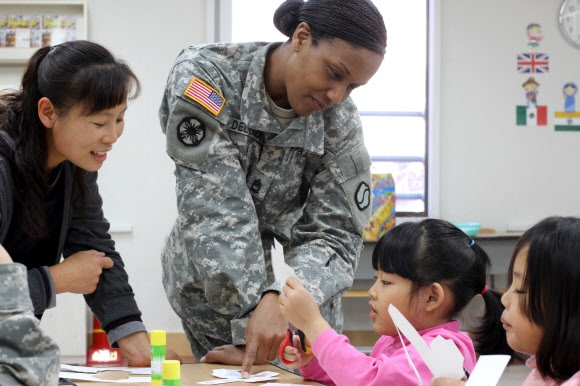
[442, 359]
[229, 376]
[85, 373]
[488, 370]
[282, 271]
[94, 370]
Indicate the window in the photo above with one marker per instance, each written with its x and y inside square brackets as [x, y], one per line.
[393, 106]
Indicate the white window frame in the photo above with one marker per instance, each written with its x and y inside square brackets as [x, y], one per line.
[219, 21]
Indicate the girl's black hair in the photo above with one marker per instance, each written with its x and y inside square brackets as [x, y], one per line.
[69, 74]
[356, 21]
[436, 251]
[551, 281]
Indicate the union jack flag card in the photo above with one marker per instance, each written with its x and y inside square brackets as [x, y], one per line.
[530, 63]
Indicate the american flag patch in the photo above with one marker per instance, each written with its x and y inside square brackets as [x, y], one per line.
[205, 95]
[533, 63]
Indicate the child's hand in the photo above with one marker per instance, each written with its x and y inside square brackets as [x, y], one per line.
[447, 382]
[300, 309]
[296, 304]
[296, 355]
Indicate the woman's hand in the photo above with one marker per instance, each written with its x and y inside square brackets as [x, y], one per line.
[136, 350]
[80, 272]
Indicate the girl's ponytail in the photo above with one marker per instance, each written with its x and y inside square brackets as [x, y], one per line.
[489, 335]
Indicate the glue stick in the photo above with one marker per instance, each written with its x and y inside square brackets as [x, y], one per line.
[158, 342]
[171, 373]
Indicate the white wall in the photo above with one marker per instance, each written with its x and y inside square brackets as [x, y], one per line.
[137, 182]
[491, 170]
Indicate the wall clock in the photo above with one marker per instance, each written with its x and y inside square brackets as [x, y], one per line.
[569, 21]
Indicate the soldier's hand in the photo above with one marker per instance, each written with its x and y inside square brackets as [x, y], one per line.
[265, 332]
[227, 354]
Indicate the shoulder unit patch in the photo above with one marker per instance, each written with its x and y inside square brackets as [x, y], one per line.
[191, 131]
[362, 196]
[205, 95]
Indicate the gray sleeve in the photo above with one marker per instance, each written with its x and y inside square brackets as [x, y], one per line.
[36, 362]
[124, 330]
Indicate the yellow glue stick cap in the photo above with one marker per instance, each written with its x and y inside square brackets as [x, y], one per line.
[171, 369]
[158, 338]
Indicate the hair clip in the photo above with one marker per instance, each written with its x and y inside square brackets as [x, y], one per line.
[471, 243]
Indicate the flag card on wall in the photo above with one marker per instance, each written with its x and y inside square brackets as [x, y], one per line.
[532, 63]
[566, 121]
[531, 115]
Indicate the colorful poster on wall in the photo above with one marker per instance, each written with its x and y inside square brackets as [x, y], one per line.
[3, 29]
[383, 207]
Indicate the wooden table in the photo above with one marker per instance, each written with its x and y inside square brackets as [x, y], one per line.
[193, 373]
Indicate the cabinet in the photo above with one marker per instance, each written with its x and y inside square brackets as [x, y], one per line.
[76, 9]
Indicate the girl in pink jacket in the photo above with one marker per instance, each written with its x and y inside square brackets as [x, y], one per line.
[429, 270]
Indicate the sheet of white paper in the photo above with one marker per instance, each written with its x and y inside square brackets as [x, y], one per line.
[282, 271]
[229, 376]
[89, 370]
[488, 370]
[220, 381]
[451, 367]
[93, 378]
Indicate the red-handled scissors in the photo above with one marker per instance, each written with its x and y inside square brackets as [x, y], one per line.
[288, 341]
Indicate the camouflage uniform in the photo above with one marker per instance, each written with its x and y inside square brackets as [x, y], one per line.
[27, 355]
[243, 180]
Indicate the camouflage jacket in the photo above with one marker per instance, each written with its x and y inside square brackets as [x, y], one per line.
[243, 180]
[27, 355]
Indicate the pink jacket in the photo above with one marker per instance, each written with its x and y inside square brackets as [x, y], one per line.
[337, 362]
[535, 378]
